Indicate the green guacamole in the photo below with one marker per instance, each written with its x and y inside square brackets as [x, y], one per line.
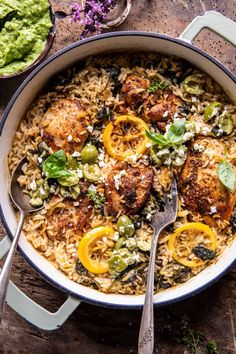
[24, 28]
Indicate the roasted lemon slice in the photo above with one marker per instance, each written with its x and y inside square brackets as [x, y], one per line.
[183, 241]
[125, 137]
[88, 246]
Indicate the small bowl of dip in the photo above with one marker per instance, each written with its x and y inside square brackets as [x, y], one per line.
[27, 30]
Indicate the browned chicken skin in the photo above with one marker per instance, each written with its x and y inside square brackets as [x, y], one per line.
[128, 188]
[134, 90]
[159, 109]
[199, 183]
[68, 219]
[64, 125]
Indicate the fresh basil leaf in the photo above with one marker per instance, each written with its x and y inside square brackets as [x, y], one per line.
[226, 175]
[157, 138]
[176, 131]
[55, 165]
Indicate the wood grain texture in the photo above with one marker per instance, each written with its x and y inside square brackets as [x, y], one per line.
[94, 330]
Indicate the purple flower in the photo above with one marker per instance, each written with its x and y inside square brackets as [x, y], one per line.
[94, 14]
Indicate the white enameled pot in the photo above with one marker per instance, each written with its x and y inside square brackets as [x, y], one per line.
[111, 42]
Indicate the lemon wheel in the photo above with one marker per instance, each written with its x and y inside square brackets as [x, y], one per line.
[185, 238]
[87, 247]
[125, 137]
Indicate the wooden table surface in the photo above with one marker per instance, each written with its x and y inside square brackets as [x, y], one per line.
[93, 330]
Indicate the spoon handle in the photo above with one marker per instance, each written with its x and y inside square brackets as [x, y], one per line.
[6, 270]
[146, 333]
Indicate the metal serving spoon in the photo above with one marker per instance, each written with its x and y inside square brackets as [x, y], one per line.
[21, 201]
[159, 221]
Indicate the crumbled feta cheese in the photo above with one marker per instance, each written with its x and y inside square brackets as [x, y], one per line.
[168, 161]
[136, 256]
[213, 209]
[188, 136]
[117, 178]
[33, 185]
[90, 128]
[206, 130]
[42, 191]
[163, 152]
[194, 99]
[101, 164]
[102, 179]
[165, 114]
[104, 239]
[116, 236]
[198, 147]
[40, 160]
[76, 154]
[101, 156]
[92, 188]
[133, 158]
[149, 216]
[76, 203]
[69, 138]
[175, 115]
[79, 173]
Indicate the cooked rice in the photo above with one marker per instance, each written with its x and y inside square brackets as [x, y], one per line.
[93, 86]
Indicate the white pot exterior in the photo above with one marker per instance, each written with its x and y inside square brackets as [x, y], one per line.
[113, 42]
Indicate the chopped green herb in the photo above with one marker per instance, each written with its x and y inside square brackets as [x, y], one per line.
[212, 347]
[157, 84]
[203, 253]
[97, 199]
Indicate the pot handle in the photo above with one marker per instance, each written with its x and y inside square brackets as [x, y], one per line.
[215, 22]
[30, 310]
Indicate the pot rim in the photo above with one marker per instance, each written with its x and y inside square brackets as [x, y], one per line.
[4, 118]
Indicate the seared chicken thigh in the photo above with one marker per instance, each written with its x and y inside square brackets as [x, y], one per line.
[128, 188]
[64, 125]
[199, 183]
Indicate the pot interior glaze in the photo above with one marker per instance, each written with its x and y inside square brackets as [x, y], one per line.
[30, 88]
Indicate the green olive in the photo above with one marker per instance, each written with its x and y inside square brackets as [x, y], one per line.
[36, 202]
[226, 124]
[72, 163]
[64, 192]
[92, 173]
[125, 226]
[144, 245]
[116, 264]
[89, 154]
[153, 152]
[75, 191]
[72, 180]
[193, 84]
[126, 255]
[211, 110]
[130, 243]
[120, 243]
